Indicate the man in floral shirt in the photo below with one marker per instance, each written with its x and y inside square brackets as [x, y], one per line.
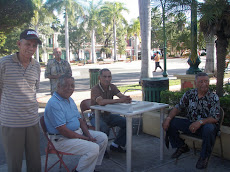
[202, 110]
[55, 68]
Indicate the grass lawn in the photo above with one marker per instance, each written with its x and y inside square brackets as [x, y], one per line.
[171, 83]
[136, 86]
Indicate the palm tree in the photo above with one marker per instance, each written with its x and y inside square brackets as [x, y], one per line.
[156, 28]
[210, 53]
[93, 24]
[121, 42]
[134, 30]
[176, 31]
[145, 20]
[41, 15]
[215, 20]
[69, 8]
[113, 12]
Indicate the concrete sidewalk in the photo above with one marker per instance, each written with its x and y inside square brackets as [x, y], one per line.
[145, 150]
[145, 158]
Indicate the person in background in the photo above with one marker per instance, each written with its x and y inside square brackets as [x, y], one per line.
[202, 109]
[157, 61]
[19, 119]
[55, 68]
[102, 94]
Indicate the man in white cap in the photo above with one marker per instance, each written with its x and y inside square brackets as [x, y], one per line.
[19, 119]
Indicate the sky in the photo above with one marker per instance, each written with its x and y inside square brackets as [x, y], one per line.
[132, 6]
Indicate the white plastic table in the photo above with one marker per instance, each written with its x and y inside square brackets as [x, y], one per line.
[129, 111]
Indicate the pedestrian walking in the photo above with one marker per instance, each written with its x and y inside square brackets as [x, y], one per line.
[157, 61]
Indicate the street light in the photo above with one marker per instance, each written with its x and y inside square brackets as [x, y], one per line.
[132, 47]
[165, 73]
[84, 50]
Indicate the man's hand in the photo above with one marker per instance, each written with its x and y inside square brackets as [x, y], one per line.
[166, 123]
[90, 138]
[125, 99]
[194, 126]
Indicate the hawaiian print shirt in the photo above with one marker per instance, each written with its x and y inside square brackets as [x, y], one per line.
[197, 109]
[55, 68]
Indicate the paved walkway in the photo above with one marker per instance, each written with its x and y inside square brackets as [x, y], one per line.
[145, 158]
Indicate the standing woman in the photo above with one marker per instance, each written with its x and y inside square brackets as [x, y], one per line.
[157, 61]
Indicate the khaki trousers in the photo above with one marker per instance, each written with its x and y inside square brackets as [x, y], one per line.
[91, 153]
[18, 140]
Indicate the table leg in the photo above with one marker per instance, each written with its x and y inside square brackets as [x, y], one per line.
[97, 120]
[161, 134]
[128, 143]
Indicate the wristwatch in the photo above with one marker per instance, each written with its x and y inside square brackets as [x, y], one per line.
[201, 122]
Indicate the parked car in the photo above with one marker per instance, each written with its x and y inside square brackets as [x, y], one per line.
[203, 52]
[139, 55]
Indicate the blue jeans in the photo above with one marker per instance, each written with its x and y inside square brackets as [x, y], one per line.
[112, 120]
[207, 132]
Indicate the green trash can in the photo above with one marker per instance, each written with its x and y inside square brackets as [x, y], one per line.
[93, 76]
[152, 87]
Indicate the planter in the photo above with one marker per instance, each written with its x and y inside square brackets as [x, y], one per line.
[151, 125]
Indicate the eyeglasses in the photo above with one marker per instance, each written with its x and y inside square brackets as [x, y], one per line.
[203, 81]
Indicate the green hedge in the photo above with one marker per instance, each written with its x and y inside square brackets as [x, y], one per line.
[173, 97]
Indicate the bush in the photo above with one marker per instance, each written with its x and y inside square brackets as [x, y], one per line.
[173, 98]
[224, 103]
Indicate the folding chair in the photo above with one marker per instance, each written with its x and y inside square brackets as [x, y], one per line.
[198, 139]
[84, 106]
[51, 150]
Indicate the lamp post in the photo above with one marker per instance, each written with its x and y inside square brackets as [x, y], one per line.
[84, 50]
[165, 73]
[132, 47]
[194, 59]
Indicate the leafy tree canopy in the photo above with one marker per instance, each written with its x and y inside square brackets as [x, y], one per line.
[14, 13]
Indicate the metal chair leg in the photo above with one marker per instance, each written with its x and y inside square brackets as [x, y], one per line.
[139, 124]
[194, 147]
[221, 148]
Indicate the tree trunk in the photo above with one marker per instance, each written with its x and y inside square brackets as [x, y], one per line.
[145, 24]
[115, 38]
[210, 56]
[93, 46]
[67, 36]
[221, 51]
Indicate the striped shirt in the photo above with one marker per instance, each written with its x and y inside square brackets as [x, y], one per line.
[19, 107]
